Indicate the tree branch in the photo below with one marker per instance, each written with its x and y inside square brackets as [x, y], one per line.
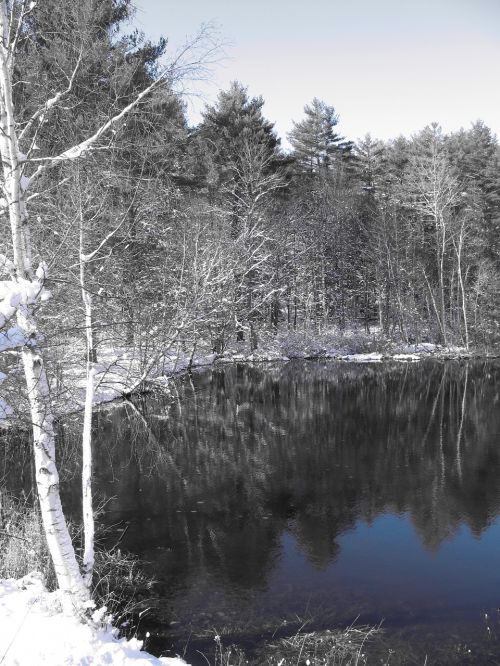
[50, 102]
[80, 149]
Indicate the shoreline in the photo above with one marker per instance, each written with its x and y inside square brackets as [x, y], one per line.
[119, 370]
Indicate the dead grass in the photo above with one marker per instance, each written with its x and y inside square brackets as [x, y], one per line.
[118, 581]
[337, 647]
[23, 548]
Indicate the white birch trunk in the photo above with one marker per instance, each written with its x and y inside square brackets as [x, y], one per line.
[87, 508]
[88, 512]
[47, 479]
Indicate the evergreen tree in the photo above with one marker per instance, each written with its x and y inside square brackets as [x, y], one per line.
[370, 164]
[241, 168]
[228, 128]
[474, 154]
[316, 145]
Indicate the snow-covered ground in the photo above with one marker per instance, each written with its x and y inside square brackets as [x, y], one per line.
[341, 353]
[35, 632]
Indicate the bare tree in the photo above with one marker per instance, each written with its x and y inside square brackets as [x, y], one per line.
[24, 290]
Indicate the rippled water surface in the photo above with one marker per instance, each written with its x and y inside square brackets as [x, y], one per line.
[265, 496]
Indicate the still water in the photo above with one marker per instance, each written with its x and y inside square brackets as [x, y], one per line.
[263, 497]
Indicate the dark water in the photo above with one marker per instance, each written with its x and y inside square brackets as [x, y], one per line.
[262, 497]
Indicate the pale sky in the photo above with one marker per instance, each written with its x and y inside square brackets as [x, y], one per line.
[389, 67]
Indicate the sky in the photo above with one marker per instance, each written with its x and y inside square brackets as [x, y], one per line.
[389, 67]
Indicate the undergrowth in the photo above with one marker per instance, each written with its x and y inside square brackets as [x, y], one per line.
[23, 547]
[296, 344]
[117, 582]
[333, 648]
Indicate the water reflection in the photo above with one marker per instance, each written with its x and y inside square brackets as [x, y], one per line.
[320, 444]
[255, 491]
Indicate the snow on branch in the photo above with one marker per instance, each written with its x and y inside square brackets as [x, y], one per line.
[21, 292]
[11, 339]
[203, 49]
[39, 115]
[80, 149]
[6, 265]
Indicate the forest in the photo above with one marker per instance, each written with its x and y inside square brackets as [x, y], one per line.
[216, 233]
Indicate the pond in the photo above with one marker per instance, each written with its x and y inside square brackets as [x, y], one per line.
[267, 497]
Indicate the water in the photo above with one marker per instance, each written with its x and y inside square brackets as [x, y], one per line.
[264, 497]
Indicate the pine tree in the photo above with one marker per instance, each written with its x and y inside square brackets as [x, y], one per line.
[228, 128]
[369, 164]
[316, 145]
[241, 169]
[474, 155]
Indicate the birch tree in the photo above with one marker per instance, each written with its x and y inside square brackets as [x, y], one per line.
[23, 290]
[86, 258]
[21, 293]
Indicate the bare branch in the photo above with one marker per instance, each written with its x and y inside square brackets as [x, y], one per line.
[80, 149]
[87, 258]
[40, 114]
[13, 45]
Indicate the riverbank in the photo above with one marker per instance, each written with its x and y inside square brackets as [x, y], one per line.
[35, 631]
[120, 372]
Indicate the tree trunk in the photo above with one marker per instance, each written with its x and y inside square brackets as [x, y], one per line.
[47, 479]
[87, 509]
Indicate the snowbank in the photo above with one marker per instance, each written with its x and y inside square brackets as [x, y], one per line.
[35, 632]
[362, 358]
[118, 373]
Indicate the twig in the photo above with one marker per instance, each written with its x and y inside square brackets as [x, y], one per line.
[13, 536]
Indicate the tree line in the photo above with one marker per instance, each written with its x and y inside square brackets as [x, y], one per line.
[215, 233]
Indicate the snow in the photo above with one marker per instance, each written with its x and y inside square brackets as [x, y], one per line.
[13, 294]
[118, 373]
[12, 338]
[6, 265]
[363, 358]
[25, 183]
[35, 632]
[42, 271]
[407, 357]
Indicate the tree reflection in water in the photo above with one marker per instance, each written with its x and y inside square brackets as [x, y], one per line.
[244, 462]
